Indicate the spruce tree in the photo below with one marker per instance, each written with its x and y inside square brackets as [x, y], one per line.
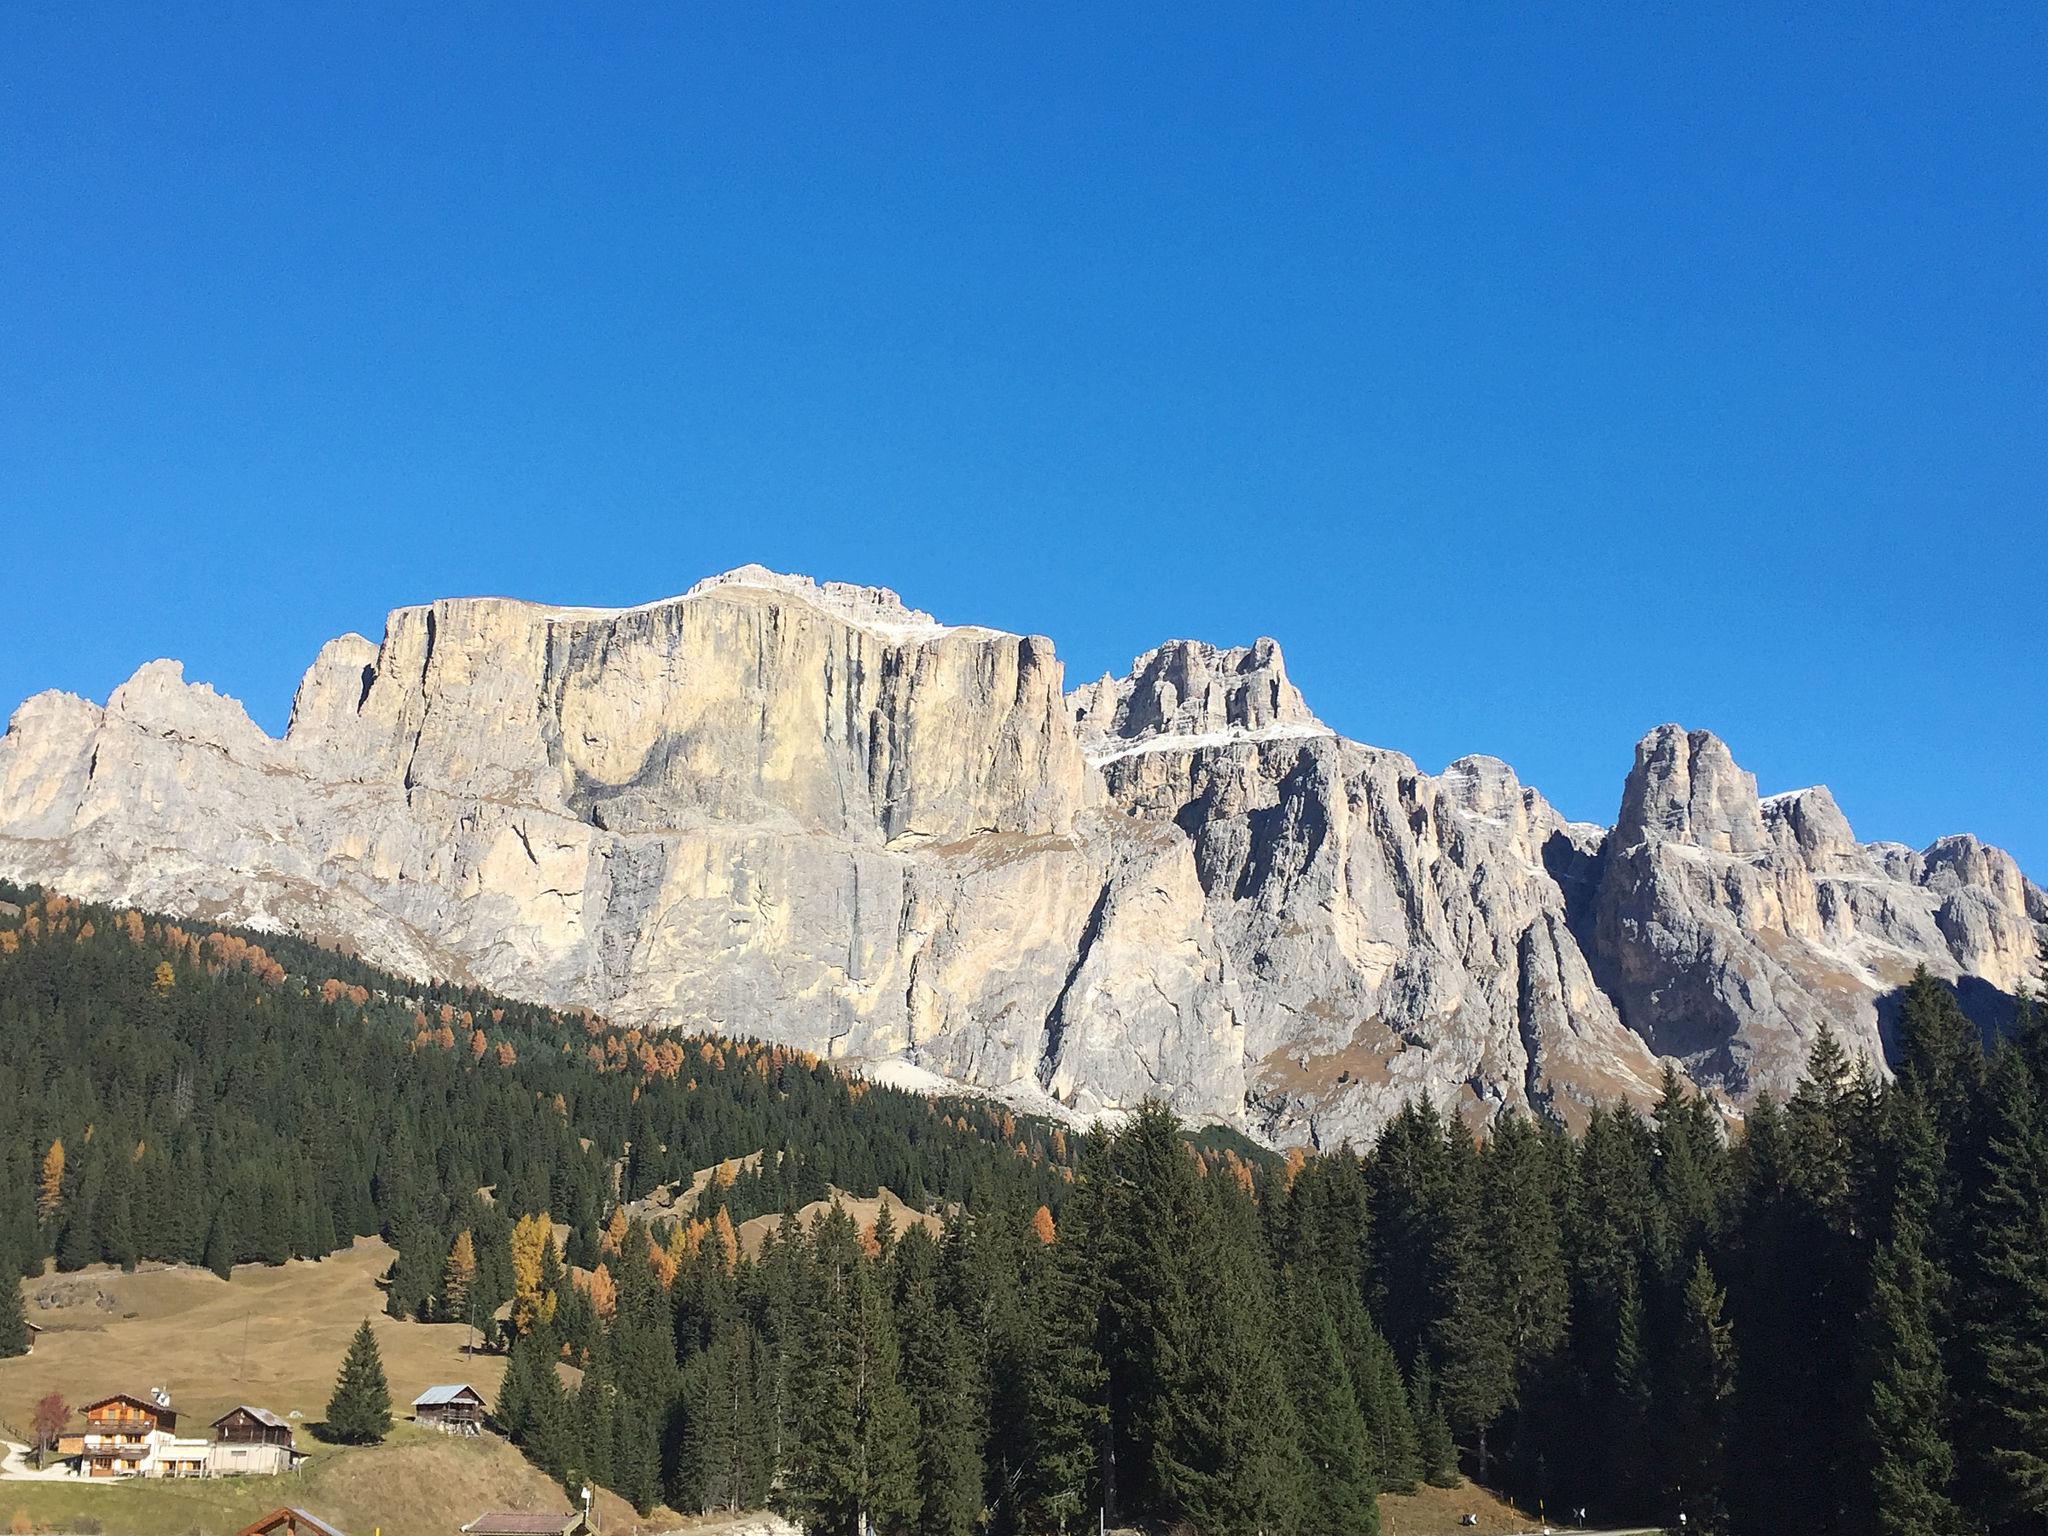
[886, 1435]
[2008, 1301]
[1693, 1420]
[1338, 1486]
[1434, 1448]
[1149, 1230]
[940, 1372]
[13, 1315]
[1231, 1459]
[359, 1412]
[1469, 1338]
[1912, 1465]
[1389, 1418]
[1940, 1052]
[1064, 1386]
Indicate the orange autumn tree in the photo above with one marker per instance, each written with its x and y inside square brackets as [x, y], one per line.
[51, 1195]
[1041, 1225]
[728, 1240]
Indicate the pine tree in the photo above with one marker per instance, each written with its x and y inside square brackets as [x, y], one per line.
[940, 1372]
[1434, 1448]
[1338, 1486]
[220, 1246]
[886, 1423]
[726, 1450]
[359, 1412]
[1912, 1465]
[1469, 1338]
[13, 1316]
[1151, 1216]
[1389, 1418]
[1702, 1381]
[1940, 1052]
[1063, 1391]
[1524, 1243]
[2008, 1319]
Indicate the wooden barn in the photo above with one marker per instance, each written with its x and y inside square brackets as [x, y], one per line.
[454, 1410]
[251, 1442]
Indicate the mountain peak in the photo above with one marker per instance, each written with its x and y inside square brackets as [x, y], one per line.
[1190, 689]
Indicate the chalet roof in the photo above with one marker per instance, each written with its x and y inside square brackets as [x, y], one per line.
[163, 1410]
[291, 1522]
[435, 1397]
[260, 1415]
[514, 1524]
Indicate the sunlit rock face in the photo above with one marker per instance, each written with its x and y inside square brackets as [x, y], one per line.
[813, 814]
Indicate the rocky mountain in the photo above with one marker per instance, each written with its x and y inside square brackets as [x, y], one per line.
[810, 813]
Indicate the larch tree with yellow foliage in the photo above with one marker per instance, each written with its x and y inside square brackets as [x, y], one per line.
[50, 1194]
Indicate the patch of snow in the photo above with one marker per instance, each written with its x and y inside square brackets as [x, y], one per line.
[1197, 741]
[875, 610]
[1787, 796]
[1026, 1097]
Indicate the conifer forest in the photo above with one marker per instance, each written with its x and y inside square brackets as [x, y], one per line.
[1829, 1315]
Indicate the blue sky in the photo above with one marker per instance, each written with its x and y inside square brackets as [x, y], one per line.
[1532, 379]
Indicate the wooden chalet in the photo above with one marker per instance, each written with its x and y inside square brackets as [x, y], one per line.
[252, 1442]
[35, 1331]
[137, 1437]
[291, 1522]
[454, 1410]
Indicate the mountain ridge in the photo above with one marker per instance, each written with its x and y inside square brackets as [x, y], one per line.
[813, 813]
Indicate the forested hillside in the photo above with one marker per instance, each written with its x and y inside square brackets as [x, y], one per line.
[1830, 1318]
[221, 1098]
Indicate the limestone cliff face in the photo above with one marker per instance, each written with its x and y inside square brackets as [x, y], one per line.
[1730, 929]
[813, 814]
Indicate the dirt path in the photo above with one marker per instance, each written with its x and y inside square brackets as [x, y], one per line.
[14, 1467]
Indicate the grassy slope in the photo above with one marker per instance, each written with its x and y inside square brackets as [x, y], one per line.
[1436, 1511]
[183, 1329]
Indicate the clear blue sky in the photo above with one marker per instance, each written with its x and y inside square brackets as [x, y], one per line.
[1533, 381]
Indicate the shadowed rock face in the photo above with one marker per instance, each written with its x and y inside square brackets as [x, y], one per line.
[813, 814]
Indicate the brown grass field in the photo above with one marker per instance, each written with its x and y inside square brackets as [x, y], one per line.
[185, 1329]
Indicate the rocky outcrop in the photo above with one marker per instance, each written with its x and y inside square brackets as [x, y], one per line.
[814, 814]
[1730, 929]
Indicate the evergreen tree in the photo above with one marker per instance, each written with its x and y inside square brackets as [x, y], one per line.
[359, 1412]
[1695, 1420]
[940, 1373]
[1434, 1449]
[1338, 1486]
[1469, 1336]
[2008, 1319]
[1383, 1402]
[1149, 1235]
[13, 1316]
[1913, 1465]
[1231, 1460]
[1940, 1052]
[1064, 1387]
[220, 1246]
[727, 1449]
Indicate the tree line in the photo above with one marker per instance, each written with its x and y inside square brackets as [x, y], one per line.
[1828, 1316]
